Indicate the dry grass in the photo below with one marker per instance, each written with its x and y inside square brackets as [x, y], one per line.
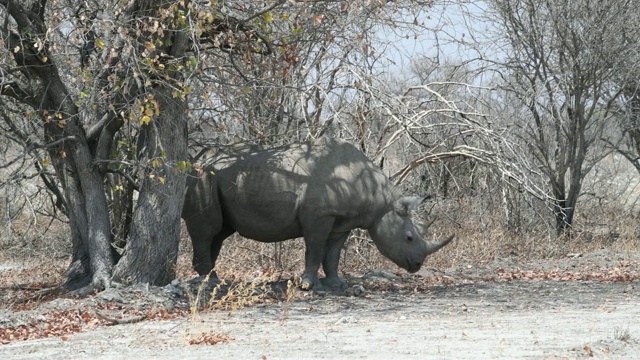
[256, 273]
[24, 237]
[621, 334]
[480, 237]
[26, 282]
[210, 338]
[474, 243]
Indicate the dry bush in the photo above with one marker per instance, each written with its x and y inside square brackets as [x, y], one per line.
[607, 217]
[246, 258]
[29, 224]
[35, 236]
[28, 220]
[184, 269]
[24, 280]
[34, 271]
[360, 254]
[609, 208]
[210, 338]
[481, 235]
[262, 258]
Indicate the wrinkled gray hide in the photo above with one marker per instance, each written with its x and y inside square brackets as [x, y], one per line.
[319, 190]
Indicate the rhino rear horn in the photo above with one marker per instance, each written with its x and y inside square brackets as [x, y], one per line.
[428, 225]
[408, 203]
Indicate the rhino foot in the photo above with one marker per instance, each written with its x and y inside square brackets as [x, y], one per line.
[206, 281]
[334, 284]
[325, 284]
[310, 283]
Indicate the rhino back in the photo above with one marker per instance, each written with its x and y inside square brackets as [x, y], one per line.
[271, 194]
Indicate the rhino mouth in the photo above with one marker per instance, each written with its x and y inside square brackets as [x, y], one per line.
[413, 266]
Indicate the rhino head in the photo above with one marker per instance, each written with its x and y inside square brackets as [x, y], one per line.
[397, 238]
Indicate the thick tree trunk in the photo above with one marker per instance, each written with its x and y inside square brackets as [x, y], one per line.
[152, 249]
[560, 213]
[566, 200]
[79, 273]
[66, 142]
[89, 218]
[92, 259]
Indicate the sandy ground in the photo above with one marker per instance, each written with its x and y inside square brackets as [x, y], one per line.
[477, 314]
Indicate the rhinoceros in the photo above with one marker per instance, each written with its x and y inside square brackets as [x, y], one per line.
[319, 190]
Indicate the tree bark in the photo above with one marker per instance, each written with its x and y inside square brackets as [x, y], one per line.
[152, 249]
[92, 259]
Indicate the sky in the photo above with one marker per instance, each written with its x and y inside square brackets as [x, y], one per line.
[447, 28]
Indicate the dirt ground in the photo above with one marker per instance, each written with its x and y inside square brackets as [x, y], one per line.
[579, 306]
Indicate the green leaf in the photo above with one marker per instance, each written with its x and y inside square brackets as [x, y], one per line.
[184, 166]
[268, 18]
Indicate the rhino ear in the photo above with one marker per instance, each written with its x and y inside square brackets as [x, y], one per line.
[407, 203]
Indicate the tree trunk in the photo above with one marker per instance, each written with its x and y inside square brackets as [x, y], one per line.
[79, 157]
[92, 259]
[152, 249]
[67, 145]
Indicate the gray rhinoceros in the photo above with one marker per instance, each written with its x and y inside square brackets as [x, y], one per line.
[319, 190]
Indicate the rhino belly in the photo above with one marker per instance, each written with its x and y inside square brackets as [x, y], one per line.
[270, 222]
[269, 234]
[269, 229]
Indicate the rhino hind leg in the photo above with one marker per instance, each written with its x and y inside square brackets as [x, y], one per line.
[201, 235]
[207, 236]
[205, 268]
[216, 245]
[333, 249]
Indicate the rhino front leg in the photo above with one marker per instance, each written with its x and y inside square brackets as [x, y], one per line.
[312, 258]
[331, 261]
[316, 233]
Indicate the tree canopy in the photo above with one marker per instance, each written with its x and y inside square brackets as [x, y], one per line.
[109, 105]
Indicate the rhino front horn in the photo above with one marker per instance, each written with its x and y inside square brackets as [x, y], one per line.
[435, 246]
